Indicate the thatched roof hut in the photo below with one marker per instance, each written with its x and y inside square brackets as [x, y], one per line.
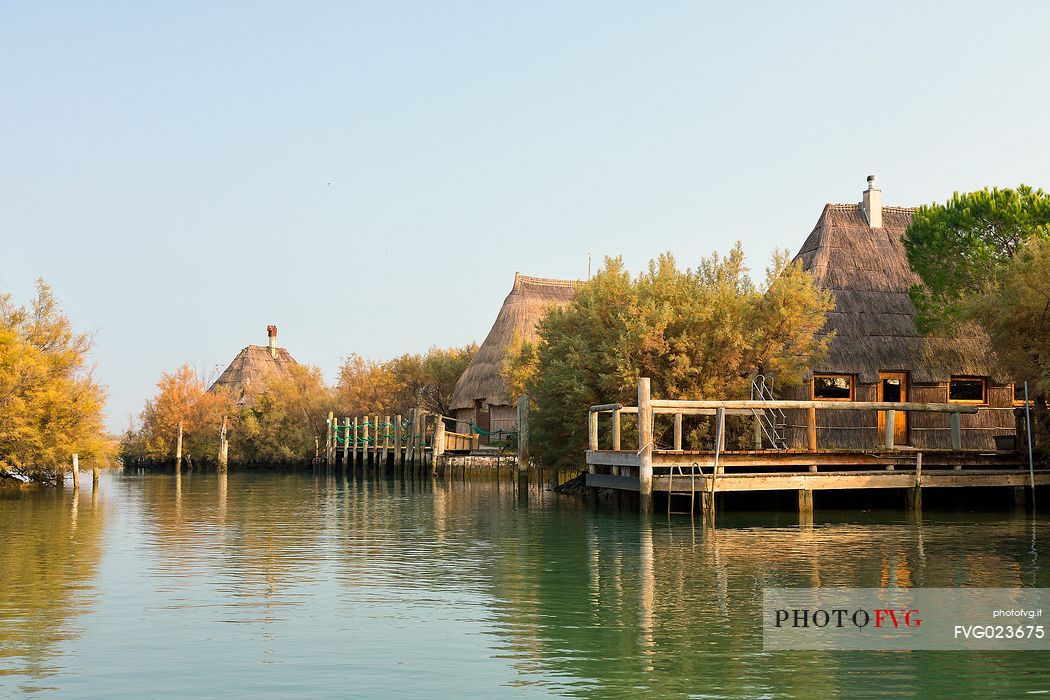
[878, 353]
[253, 366]
[874, 320]
[482, 385]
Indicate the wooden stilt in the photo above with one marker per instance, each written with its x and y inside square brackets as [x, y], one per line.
[399, 460]
[178, 448]
[76, 471]
[616, 429]
[523, 434]
[645, 447]
[386, 440]
[678, 431]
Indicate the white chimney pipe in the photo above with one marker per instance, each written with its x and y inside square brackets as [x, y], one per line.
[872, 204]
[271, 337]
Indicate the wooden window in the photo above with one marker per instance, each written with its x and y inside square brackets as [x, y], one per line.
[968, 390]
[1019, 394]
[833, 387]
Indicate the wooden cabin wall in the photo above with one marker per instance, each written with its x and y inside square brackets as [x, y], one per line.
[859, 429]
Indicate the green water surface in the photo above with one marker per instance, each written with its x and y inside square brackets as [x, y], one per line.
[330, 585]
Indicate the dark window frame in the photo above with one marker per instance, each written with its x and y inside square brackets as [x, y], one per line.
[983, 401]
[829, 375]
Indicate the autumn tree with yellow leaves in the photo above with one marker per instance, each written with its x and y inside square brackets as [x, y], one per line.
[50, 404]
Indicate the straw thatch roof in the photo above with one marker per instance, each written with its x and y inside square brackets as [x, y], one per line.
[874, 319]
[250, 370]
[521, 310]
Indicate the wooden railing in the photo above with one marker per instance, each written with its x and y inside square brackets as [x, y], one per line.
[647, 408]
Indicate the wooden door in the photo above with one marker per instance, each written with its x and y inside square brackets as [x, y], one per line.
[482, 419]
[893, 386]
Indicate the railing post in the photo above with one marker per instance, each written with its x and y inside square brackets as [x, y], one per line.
[592, 431]
[678, 431]
[645, 447]
[811, 428]
[956, 431]
[616, 430]
[720, 436]
[891, 417]
[398, 459]
[523, 434]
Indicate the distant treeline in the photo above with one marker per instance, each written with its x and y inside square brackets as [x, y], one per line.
[280, 420]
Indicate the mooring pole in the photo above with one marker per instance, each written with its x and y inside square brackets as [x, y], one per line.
[1028, 434]
[224, 447]
[523, 434]
[178, 449]
[76, 471]
[645, 447]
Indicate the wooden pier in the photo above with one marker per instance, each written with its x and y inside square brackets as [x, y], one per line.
[700, 474]
[417, 440]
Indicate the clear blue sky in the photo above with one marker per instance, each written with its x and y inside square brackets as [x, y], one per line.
[369, 176]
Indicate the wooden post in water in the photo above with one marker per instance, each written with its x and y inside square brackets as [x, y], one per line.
[756, 426]
[375, 442]
[94, 474]
[916, 492]
[178, 448]
[616, 430]
[357, 461]
[523, 434]
[364, 441]
[421, 443]
[399, 460]
[76, 471]
[410, 438]
[330, 454]
[224, 447]
[645, 447]
[386, 440]
[346, 442]
[439, 444]
[678, 431]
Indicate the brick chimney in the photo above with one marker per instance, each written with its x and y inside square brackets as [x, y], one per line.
[271, 337]
[872, 204]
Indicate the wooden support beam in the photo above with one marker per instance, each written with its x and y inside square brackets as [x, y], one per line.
[616, 430]
[811, 428]
[523, 434]
[805, 502]
[386, 440]
[399, 455]
[224, 447]
[956, 432]
[357, 459]
[645, 445]
[756, 426]
[364, 440]
[678, 431]
[720, 436]
[592, 431]
[668, 406]
[346, 442]
[891, 419]
[410, 447]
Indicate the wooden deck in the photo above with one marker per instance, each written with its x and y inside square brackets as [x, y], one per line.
[886, 465]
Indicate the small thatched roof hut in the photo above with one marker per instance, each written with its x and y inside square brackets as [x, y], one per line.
[878, 353]
[481, 395]
[253, 366]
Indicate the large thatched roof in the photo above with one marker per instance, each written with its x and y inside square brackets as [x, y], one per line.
[251, 368]
[874, 319]
[521, 310]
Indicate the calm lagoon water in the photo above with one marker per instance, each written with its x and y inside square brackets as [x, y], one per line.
[314, 585]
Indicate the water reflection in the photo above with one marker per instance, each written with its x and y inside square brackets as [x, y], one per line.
[52, 544]
[477, 584]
